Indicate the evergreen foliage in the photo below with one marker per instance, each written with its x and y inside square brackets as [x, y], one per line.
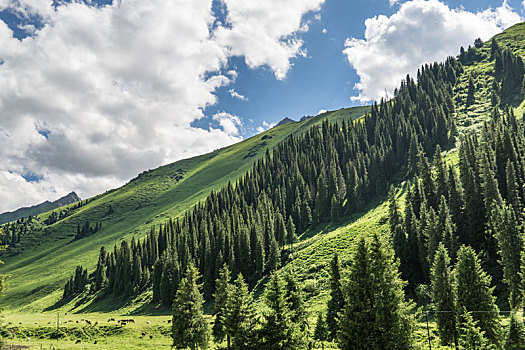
[376, 315]
[189, 326]
[444, 297]
[336, 301]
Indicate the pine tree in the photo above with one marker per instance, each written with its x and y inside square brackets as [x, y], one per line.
[336, 302]
[278, 331]
[298, 313]
[474, 294]
[509, 236]
[376, 315]
[240, 317]
[470, 93]
[321, 329]
[221, 296]
[444, 298]
[471, 336]
[189, 326]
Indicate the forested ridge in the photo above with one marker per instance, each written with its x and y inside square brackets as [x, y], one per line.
[328, 172]
[455, 242]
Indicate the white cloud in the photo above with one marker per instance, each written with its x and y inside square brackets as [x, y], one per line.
[419, 32]
[229, 123]
[237, 95]
[324, 31]
[265, 126]
[264, 32]
[321, 111]
[99, 94]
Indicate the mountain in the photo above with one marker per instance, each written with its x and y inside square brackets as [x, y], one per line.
[325, 178]
[39, 208]
[285, 121]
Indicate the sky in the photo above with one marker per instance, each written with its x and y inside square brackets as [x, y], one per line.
[94, 92]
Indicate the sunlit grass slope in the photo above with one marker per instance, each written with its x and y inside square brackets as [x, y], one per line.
[52, 253]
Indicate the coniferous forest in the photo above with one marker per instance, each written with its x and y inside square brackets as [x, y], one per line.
[452, 251]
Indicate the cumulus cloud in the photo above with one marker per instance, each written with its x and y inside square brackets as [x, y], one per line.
[324, 31]
[265, 126]
[237, 95]
[264, 32]
[99, 94]
[229, 123]
[321, 111]
[419, 32]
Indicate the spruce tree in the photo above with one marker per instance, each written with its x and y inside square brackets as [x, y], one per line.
[444, 298]
[336, 301]
[376, 315]
[474, 295]
[240, 317]
[470, 93]
[470, 335]
[509, 236]
[321, 329]
[278, 331]
[221, 296]
[189, 326]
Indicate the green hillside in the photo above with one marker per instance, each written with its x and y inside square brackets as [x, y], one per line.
[49, 253]
[452, 145]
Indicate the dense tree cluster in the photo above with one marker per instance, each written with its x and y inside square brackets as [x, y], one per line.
[323, 174]
[86, 229]
[508, 71]
[76, 284]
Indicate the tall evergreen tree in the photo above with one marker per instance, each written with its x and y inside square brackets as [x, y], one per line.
[474, 295]
[510, 243]
[321, 329]
[189, 326]
[376, 315]
[444, 298]
[221, 297]
[336, 301]
[240, 317]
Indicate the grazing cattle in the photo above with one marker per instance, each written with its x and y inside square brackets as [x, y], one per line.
[96, 341]
[147, 322]
[151, 336]
[122, 323]
[96, 323]
[28, 339]
[111, 319]
[78, 341]
[77, 321]
[143, 333]
[169, 321]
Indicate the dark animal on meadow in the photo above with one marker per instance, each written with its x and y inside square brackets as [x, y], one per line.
[169, 321]
[122, 323]
[111, 319]
[77, 321]
[147, 322]
[143, 333]
[96, 341]
[151, 336]
[78, 341]
[96, 323]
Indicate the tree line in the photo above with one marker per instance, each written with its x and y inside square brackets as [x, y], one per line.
[326, 173]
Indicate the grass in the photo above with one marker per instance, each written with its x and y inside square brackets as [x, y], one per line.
[51, 254]
[40, 270]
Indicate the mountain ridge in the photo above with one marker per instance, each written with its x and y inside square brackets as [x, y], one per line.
[40, 208]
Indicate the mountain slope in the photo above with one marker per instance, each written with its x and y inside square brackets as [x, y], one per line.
[50, 252]
[39, 208]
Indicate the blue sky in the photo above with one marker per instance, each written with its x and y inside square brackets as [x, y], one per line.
[323, 80]
[94, 92]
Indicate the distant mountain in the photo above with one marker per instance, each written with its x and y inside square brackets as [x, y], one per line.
[285, 121]
[39, 208]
